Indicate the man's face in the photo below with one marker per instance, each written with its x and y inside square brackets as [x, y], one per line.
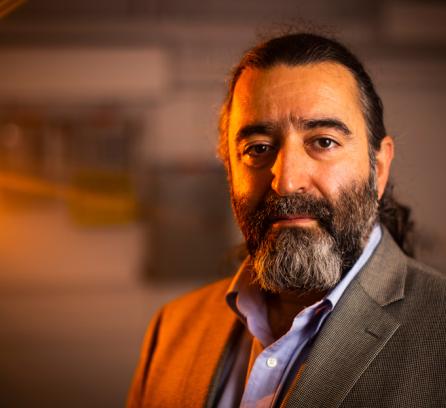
[301, 180]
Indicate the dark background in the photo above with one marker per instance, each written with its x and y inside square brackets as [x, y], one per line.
[111, 198]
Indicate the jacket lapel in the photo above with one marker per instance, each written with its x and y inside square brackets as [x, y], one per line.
[206, 360]
[190, 347]
[354, 334]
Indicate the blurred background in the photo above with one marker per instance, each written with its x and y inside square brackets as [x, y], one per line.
[111, 198]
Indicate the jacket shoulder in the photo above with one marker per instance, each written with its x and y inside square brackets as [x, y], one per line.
[426, 284]
[198, 300]
[182, 349]
[426, 270]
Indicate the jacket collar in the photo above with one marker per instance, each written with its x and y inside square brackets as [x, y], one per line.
[383, 277]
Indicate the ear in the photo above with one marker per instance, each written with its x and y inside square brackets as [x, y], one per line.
[384, 157]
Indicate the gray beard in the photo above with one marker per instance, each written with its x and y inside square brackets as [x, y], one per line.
[308, 258]
[297, 258]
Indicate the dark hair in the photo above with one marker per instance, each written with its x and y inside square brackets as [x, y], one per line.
[306, 48]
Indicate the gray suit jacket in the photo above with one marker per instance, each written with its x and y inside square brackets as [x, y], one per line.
[384, 345]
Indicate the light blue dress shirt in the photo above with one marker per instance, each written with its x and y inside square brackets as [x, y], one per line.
[276, 358]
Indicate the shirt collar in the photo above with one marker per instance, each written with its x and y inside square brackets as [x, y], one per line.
[245, 298]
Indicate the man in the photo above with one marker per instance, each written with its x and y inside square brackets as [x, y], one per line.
[327, 310]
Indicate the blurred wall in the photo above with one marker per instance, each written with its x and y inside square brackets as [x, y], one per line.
[76, 294]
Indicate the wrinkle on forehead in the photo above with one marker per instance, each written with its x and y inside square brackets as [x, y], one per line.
[326, 68]
[253, 81]
[290, 94]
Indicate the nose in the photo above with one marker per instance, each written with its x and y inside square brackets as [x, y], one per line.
[291, 171]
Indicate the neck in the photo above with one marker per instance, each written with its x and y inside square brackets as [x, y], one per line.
[283, 308]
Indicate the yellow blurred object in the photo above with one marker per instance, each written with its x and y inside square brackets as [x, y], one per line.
[94, 198]
[106, 198]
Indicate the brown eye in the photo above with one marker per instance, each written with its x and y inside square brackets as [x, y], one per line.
[325, 143]
[258, 150]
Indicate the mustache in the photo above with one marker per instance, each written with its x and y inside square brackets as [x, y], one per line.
[275, 207]
[257, 222]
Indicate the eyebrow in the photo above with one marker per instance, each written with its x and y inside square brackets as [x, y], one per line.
[333, 123]
[272, 128]
[263, 128]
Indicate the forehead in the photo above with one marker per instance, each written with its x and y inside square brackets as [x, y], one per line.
[306, 91]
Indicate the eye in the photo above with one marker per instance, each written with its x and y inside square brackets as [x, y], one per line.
[258, 150]
[258, 153]
[325, 143]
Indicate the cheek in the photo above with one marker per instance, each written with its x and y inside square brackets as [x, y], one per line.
[251, 185]
[247, 184]
[338, 176]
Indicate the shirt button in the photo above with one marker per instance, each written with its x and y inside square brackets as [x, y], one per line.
[271, 362]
